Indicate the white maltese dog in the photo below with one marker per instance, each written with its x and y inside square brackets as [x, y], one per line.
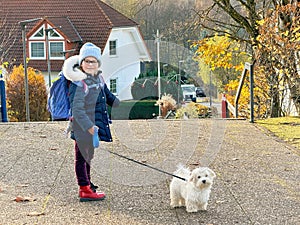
[195, 191]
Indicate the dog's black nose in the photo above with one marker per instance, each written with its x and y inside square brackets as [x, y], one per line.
[204, 181]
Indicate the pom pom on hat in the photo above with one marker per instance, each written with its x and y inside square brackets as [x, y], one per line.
[89, 49]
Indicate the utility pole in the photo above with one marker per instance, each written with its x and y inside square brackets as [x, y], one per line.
[157, 40]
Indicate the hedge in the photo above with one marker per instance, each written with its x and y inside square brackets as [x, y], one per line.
[134, 109]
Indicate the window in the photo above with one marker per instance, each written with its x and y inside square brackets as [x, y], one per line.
[53, 34]
[40, 34]
[37, 50]
[56, 49]
[113, 85]
[112, 47]
[38, 44]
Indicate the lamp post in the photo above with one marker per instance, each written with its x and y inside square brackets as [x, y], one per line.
[179, 79]
[23, 27]
[67, 51]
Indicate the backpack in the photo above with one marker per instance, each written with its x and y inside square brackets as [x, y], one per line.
[58, 100]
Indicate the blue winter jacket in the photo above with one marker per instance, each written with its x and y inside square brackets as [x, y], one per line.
[89, 108]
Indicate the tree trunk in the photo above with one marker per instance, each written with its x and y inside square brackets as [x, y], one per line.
[274, 95]
[295, 94]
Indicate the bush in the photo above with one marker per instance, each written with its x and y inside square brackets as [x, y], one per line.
[143, 109]
[16, 95]
[192, 110]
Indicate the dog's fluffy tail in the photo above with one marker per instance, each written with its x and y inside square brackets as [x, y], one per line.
[180, 166]
[181, 169]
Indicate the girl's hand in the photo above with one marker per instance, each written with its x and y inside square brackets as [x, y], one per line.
[91, 130]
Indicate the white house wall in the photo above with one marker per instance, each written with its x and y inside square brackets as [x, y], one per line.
[125, 66]
[125, 76]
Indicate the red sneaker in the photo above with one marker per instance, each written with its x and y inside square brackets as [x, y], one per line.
[87, 194]
[92, 186]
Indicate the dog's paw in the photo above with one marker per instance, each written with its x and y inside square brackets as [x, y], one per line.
[191, 208]
[203, 207]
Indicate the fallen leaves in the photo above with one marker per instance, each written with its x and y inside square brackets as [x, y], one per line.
[24, 199]
[22, 185]
[35, 213]
[29, 199]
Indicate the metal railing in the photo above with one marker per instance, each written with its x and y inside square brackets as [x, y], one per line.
[248, 67]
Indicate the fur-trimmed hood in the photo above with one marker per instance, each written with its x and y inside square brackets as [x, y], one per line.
[71, 69]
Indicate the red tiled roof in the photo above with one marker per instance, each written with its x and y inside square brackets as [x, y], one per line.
[86, 20]
[65, 26]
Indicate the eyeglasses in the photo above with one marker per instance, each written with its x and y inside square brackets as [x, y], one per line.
[90, 61]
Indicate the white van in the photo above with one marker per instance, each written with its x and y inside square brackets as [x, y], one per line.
[188, 91]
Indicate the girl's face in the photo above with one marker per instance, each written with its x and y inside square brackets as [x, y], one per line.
[90, 65]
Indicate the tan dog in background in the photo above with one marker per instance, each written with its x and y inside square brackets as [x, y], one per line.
[166, 103]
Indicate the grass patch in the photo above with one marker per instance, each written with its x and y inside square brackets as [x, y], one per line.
[286, 128]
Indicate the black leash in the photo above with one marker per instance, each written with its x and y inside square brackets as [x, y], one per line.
[143, 164]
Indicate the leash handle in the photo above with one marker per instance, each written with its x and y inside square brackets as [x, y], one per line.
[143, 164]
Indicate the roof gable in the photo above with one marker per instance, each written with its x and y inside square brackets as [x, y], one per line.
[64, 26]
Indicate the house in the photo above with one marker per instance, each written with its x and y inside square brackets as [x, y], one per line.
[60, 28]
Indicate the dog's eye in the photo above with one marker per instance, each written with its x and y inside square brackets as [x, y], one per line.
[199, 177]
[206, 175]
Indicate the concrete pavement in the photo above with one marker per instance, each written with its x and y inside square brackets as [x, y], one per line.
[257, 175]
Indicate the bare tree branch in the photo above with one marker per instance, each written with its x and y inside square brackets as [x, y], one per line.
[147, 4]
[7, 39]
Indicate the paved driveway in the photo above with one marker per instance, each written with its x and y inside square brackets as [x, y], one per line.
[257, 175]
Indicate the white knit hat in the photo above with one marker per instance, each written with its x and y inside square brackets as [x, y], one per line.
[89, 49]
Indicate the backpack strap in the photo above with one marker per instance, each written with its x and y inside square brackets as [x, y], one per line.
[82, 84]
[93, 86]
[102, 83]
[85, 86]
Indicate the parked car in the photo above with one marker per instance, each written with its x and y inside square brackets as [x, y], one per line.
[188, 91]
[200, 92]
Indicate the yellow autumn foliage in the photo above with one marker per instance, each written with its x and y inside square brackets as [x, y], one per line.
[219, 52]
[16, 95]
[260, 95]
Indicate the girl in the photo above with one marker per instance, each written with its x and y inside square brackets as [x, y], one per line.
[88, 96]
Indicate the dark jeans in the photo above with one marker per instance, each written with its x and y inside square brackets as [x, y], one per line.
[84, 154]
